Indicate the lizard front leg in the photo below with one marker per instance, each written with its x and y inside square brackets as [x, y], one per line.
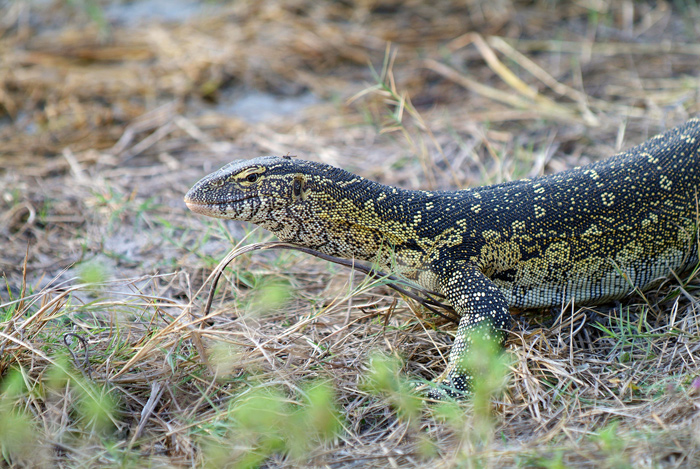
[484, 313]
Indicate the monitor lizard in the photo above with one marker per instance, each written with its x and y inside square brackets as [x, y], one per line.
[590, 234]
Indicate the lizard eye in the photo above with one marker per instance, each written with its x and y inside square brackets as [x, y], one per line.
[297, 187]
[252, 177]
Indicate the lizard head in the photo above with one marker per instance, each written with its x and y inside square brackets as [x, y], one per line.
[299, 201]
[304, 202]
[251, 190]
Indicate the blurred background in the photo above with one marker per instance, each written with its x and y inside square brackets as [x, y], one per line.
[111, 110]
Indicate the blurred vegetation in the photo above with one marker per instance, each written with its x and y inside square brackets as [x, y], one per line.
[109, 111]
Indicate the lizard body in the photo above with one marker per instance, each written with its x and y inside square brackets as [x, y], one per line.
[589, 234]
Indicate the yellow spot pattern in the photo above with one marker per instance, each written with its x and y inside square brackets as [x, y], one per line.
[588, 234]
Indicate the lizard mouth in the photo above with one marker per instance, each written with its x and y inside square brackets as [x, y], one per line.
[225, 209]
[222, 210]
[199, 207]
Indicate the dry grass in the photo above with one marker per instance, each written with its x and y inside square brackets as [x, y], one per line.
[105, 355]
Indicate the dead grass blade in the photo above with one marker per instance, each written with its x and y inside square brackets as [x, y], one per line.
[428, 298]
[542, 103]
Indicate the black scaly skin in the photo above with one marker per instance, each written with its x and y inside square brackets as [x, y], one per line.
[590, 234]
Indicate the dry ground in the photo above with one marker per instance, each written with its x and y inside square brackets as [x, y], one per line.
[105, 356]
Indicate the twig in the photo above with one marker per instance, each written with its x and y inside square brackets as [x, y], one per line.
[425, 297]
[156, 392]
[85, 366]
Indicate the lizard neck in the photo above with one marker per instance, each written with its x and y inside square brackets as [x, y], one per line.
[345, 215]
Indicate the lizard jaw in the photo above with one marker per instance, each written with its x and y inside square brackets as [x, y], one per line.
[234, 209]
[210, 210]
[204, 209]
